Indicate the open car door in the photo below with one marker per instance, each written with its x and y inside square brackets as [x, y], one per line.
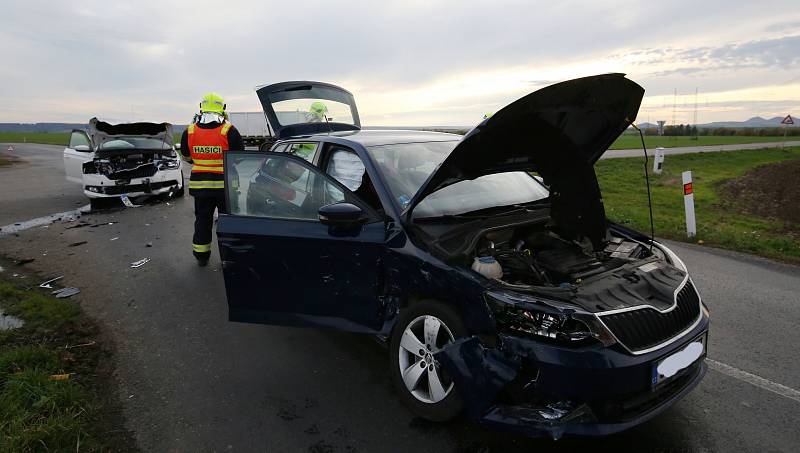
[306, 108]
[286, 264]
[78, 152]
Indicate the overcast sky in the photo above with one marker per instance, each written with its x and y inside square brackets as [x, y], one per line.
[407, 62]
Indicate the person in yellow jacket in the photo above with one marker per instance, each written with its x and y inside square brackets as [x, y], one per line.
[203, 143]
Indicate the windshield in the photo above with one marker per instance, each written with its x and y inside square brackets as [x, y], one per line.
[405, 167]
[134, 143]
[488, 191]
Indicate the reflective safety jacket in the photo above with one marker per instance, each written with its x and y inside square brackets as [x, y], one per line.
[205, 148]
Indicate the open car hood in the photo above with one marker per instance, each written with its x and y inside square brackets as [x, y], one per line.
[287, 106]
[560, 132]
[102, 132]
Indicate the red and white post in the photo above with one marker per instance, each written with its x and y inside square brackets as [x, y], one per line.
[688, 204]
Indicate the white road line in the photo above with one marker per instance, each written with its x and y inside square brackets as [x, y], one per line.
[46, 220]
[758, 381]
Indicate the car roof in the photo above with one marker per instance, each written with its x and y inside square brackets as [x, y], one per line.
[371, 137]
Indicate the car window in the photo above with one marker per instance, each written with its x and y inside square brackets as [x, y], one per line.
[279, 148]
[346, 167]
[276, 186]
[79, 138]
[305, 150]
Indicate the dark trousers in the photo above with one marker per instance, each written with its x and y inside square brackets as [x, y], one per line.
[204, 206]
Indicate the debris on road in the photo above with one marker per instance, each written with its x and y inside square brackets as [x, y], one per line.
[91, 343]
[127, 202]
[140, 263]
[60, 377]
[24, 261]
[149, 244]
[114, 238]
[66, 292]
[76, 244]
[48, 285]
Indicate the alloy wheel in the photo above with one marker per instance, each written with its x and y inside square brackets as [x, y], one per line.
[423, 337]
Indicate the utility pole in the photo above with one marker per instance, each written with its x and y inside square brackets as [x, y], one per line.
[694, 136]
[674, 104]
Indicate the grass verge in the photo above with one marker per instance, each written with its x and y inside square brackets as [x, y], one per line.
[51, 138]
[721, 222]
[54, 379]
[632, 141]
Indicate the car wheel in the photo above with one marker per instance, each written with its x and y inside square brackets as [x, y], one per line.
[264, 146]
[421, 331]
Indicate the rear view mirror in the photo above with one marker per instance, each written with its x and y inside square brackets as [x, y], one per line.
[340, 214]
[178, 146]
[84, 148]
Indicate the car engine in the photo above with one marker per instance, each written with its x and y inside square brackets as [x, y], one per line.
[129, 166]
[542, 257]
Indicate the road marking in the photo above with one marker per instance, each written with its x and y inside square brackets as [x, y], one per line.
[758, 381]
[46, 220]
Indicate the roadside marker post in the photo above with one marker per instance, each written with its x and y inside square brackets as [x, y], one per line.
[658, 162]
[688, 204]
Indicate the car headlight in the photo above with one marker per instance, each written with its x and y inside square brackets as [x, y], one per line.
[545, 320]
[169, 164]
[671, 257]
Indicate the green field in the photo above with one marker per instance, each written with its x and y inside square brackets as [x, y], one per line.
[55, 138]
[719, 222]
[631, 141]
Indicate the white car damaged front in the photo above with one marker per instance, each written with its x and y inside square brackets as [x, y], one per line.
[132, 159]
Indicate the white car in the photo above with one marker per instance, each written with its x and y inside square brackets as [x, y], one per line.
[133, 159]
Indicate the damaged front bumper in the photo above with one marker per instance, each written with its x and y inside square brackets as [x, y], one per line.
[163, 181]
[536, 389]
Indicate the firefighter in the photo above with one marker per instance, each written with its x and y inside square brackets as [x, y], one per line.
[203, 144]
[316, 113]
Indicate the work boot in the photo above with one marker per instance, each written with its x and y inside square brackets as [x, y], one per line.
[202, 262]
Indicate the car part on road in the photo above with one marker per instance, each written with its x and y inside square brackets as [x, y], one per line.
[140, 262]
[66, 292]
[47, 284]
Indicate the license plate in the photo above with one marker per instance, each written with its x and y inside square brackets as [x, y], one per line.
[671, 365]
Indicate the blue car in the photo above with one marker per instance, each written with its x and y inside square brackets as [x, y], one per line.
[484, 261]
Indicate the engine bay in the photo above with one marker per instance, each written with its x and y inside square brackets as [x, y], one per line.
[539, 256]
[132, 165]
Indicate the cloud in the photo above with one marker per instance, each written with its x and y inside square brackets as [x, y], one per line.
[442, 62]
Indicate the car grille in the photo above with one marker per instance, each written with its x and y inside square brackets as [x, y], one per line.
[144, 171]
[647, 327]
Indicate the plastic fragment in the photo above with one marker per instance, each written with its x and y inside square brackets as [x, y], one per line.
[114, 238]
[60, 377]
[140, 263]
[75, 244]
[48, 285]
[66, 292]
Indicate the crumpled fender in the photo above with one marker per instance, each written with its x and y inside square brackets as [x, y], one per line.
[479, 373]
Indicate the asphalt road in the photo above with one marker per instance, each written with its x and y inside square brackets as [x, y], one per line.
[191, 381]
[614, 153]
[35, 185]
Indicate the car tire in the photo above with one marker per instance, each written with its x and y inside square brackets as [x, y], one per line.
[265, 146]
[425, 398]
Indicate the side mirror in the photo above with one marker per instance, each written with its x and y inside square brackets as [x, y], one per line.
[340, 214]
[177, 146]
[84, 148]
